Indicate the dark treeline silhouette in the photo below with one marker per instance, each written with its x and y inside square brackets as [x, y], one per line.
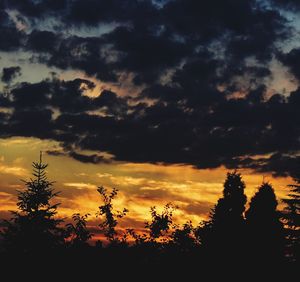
[233, 238]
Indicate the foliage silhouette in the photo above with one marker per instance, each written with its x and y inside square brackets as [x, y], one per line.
[291, 220]
[229, 238]
[223, 234]
[34, 227]
[264, 229]
[77, 232]
[108, 226]
[183, 238]
[160, 223]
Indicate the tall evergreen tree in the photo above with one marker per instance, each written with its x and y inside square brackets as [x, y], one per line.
[265, 231]
[291, 220]
[222, 234]
[33, 228]
[228, 212]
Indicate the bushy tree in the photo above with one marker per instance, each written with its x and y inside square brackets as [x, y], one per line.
[77, 232]
[108, 226]
[264, 229]
[160, 222]
[183, 238]
[34, 228]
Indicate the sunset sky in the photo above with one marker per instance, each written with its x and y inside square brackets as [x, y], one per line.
[157, 98]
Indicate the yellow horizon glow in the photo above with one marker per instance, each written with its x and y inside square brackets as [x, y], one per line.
[140, 185]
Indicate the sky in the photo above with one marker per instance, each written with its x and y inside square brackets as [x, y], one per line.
[159, 99]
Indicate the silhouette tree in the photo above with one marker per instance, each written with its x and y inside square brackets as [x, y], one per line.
[265, 231]
[77, 232]
[160, 223]
[108, 226]
[151, 248]
[158, 227]
[183, 238]
[291, 220]
[34, 228]
[223, 233]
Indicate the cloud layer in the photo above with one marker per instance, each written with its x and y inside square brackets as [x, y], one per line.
[201, 70]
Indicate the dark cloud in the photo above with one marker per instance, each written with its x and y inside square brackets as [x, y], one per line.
[287, 4]
[69, 96]
[206, 135]
[292, 61]
[77, 53]
[258, 38]
[30, 123]
[55, 153]
[278, 164]
[32, 96]
[197, 79]
[145, 53]
[200, 71]
[10, 38]
[281, 165]
[37, 9]
[94, 158]
[111, 103]
[42, 41]
[152, 39]
[63, 95]
[294, 99]
[4, 101]
[8, 74]
[205, 19]
[91, 12]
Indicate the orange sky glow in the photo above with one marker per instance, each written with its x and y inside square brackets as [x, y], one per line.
[140, 186]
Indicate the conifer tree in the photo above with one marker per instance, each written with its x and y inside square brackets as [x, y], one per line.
[223, 233]
[291, 220]
[230, 208]
[34, 228]
[264, 229]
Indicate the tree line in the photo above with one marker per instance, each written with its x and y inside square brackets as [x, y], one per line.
[232, 235]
